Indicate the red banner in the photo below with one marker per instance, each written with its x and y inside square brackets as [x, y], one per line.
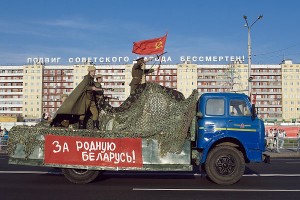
[149, 47]
[110, 152]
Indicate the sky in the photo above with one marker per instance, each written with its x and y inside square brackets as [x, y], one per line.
[104, 29]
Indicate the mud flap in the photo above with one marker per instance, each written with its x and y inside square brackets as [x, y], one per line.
[266, 158]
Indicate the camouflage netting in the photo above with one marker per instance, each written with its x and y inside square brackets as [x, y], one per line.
[154, 112]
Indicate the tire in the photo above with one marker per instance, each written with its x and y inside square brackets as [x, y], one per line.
[225, 165]
[80, 176]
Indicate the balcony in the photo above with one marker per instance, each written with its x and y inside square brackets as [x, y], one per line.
[266, 73]
[267, 80]
[268, 106]
[268, 92]
[58, 81]
[269, 112]
[113, 80]
[10, 112]
[11, 99]
[11, 93]
[212, 79]
[113, 86]
[11, 81]
[11, 105]
[267, 86]
[213, 87]
[11, 74]
[212, 73]
[268, 99]
[11, 87]
[112, 73]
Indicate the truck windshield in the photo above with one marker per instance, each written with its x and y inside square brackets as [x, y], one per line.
[239, 107]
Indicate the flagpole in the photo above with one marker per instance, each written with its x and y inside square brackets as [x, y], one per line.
[156, 78]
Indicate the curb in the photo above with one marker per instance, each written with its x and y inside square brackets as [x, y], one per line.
[283, 154]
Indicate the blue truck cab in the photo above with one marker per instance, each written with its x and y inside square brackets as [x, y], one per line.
[229, 134]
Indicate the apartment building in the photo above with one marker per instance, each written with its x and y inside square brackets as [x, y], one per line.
[266, 86]
[34, 89]
[57, 80]
[290, 91]
[11, 90]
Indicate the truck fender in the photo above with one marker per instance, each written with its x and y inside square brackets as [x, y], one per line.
[225, 143]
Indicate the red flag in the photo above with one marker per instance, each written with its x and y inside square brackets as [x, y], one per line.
[148, 47]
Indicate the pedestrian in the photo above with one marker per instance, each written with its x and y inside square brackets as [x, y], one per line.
[298, 141]
[271, 139]
[0, 138]
[266, 138]
[46, 116]
[281, 136]
[137, 72]
[275, 134]
[5, 134]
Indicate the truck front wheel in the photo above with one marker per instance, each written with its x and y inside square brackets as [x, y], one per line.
[80, 176]
[225, 165]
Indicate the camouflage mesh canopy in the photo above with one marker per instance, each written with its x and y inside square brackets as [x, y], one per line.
[154, 112]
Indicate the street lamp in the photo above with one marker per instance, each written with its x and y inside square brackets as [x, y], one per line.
[249, 50]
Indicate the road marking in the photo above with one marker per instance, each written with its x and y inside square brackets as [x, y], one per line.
[201, 175]
[272, 175]
[212, 190]
[285, 159]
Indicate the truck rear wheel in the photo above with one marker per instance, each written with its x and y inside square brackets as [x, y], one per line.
[225, 165]
[80, 176]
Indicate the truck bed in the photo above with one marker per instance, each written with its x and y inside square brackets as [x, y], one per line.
[31, 149]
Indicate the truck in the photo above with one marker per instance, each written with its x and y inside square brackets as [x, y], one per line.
[157, 129]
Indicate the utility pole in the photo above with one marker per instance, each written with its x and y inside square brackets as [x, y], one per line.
[249, 51]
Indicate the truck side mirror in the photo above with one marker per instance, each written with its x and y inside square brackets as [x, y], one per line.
[199, 115]
[253, 111]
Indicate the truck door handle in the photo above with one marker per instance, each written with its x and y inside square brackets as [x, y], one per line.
[230, 120]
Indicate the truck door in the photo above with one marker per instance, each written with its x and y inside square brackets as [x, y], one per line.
[240, 124]
[214, 122]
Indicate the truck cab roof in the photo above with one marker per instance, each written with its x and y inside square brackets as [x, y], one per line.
[223, 94]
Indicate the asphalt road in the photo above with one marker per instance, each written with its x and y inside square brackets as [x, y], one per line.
[278, 180]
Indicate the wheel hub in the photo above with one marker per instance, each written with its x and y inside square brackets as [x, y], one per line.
[225, 165]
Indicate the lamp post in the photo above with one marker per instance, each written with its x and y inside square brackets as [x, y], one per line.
[249, 50]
